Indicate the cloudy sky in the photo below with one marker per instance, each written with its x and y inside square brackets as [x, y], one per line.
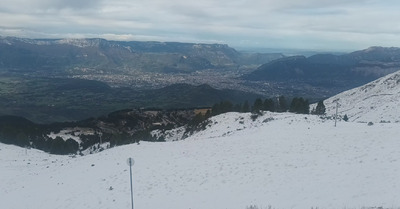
[294, 24]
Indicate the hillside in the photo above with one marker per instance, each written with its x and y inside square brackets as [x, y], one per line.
[278, 161]
[334, 73]
[373, 102]
[46, 100]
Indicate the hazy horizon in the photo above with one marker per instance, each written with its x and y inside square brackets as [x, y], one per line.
[315, 25]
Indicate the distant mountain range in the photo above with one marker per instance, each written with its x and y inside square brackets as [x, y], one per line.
[99, 56]
[38, 76]
[129, 63]
[339, 72]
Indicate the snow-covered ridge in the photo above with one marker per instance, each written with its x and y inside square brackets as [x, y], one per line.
[376, 101]
[84, 42]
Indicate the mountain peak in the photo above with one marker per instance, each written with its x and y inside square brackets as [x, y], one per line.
[377, 54]
[379, 48]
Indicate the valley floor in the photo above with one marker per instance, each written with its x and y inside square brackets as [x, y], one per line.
[279, 160]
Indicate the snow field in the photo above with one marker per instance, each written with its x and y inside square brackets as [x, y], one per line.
[284, 160]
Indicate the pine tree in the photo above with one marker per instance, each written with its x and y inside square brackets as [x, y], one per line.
[320, 109]
[58, 146]
[216, 109]
[237, 108]
[246, 107]
[21, 139]
[222, 107]
[345, 118]
[299, 105]
[306, 107]
[208, 114]
[71, 146]
[226, 106]
[197, 119]
[258, 105]
[269, 105]
[294, 105]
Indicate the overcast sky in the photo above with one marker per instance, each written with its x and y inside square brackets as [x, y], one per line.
[343, 25]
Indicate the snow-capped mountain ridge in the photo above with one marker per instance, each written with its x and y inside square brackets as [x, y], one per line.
[78, 42]
[374, 102]
[96, 42]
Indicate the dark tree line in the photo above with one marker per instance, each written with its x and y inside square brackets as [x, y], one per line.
[24, 133]
[258, 105]
[280, 104]
[299, 105]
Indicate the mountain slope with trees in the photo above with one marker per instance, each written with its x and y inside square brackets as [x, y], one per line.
[338, 72]
[117, 128]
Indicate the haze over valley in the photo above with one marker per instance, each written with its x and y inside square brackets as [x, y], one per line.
[48, 80]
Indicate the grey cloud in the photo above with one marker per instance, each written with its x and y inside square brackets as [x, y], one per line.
[286, 23]
[75, 4]
[45, 5]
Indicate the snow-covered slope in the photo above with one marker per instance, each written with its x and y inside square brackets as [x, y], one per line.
[283, 160]
[376, 101]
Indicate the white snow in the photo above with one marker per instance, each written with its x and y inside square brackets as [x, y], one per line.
[374, 102]
[65, 135]
[72, 133]
[283, 160]
[171, 135]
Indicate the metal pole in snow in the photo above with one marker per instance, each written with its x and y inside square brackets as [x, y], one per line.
[337, 104]
[130, 163]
